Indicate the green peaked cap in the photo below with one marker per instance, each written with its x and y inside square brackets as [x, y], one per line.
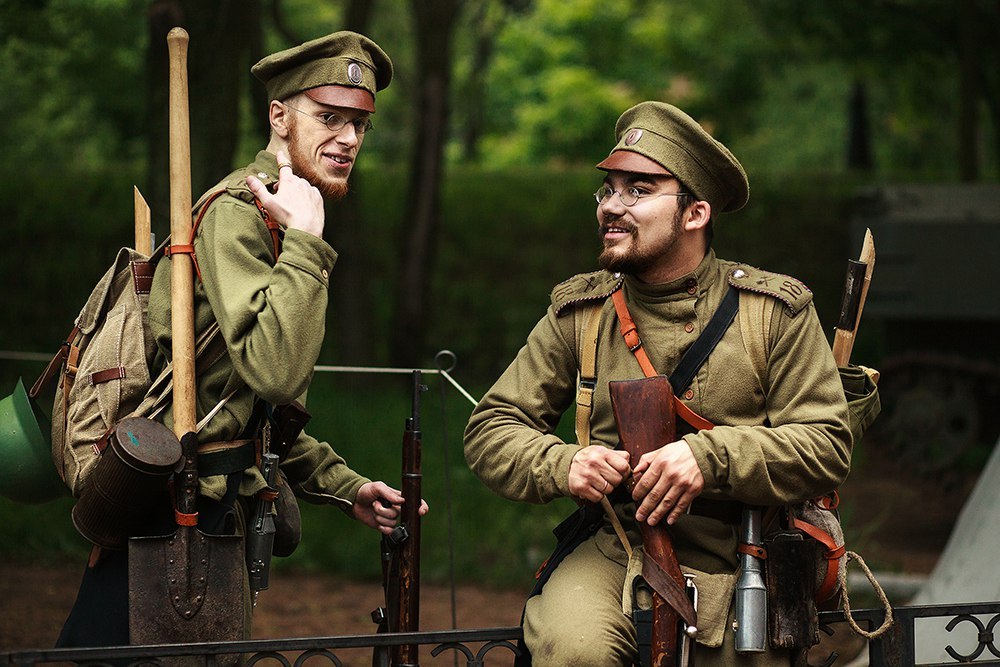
[656, 137]
[342, 69]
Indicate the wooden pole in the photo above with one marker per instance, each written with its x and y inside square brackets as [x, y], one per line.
[181, 264]
[143, 239]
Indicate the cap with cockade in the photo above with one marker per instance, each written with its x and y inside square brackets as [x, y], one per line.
[659, 138]
[343, 69]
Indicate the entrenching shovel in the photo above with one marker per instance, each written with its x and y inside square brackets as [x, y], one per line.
[188, 586]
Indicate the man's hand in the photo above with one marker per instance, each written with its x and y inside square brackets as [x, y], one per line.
[667, 481]
[595, 471]
[295, 204]
[377, 506]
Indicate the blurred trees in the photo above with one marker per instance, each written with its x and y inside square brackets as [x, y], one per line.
[899, 89]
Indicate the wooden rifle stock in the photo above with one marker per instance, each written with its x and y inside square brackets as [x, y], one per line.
[401, 552]
[644, 412]
[409, 556]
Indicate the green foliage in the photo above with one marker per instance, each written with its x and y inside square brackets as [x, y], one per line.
[71, 70]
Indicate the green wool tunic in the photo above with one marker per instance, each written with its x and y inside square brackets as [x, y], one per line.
[779, 443]
[272, 321]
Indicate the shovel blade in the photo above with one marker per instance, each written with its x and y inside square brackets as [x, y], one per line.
[187, 587]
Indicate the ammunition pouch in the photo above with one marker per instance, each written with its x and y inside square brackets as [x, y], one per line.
[286, 423]
[792, 618]
[283, 425]
[863, 402]
[287, 520]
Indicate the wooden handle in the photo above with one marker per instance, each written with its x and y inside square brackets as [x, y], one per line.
[143, 240]
[843, 340]
[181, 265]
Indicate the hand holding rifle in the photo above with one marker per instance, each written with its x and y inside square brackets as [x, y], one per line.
[378, 506]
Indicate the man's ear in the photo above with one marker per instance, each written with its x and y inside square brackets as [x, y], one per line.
[278, 118]
[697, 216]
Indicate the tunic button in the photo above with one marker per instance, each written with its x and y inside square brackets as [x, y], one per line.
[325, 274]
[261, 175]
[692, 286]
[689, 327]
[689, 394]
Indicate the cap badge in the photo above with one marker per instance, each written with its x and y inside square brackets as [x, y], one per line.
[633, 137]
[354, 73]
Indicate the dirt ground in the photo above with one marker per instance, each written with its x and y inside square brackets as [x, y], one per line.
[906, 522]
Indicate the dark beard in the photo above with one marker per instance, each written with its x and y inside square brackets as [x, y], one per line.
[631, 263]
[635, 261]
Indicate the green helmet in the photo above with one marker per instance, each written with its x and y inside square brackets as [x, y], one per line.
[27, 474]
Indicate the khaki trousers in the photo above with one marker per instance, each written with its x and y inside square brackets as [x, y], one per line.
[577, 620]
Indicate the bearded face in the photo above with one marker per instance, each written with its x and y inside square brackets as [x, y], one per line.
[636, 247]
[322, 157]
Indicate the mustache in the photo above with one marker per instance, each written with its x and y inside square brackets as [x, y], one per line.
[608, 223]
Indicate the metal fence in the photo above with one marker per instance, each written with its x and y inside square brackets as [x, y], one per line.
[896, 648]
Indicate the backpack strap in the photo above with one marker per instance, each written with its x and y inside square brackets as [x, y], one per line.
[698, 353]
[188, 248]
[587, 343]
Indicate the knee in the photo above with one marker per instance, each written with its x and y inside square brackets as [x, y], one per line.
[578, 647]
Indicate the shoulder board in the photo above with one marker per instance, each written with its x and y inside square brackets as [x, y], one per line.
[583, 287]
[793, 293]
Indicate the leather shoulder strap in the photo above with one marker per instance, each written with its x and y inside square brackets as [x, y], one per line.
[590, 319]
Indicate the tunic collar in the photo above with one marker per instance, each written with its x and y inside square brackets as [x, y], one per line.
[687, 286]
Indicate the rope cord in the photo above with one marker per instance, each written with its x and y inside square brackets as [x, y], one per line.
[887, 623]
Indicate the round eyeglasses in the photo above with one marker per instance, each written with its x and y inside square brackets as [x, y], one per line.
[335, 122]
[630, 195]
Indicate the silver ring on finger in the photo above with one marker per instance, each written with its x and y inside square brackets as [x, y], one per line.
[606, 485]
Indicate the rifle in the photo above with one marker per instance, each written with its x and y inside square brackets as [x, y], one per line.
[401, 552]
[644, 412]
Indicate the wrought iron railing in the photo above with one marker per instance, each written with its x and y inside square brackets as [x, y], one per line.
[897, 647]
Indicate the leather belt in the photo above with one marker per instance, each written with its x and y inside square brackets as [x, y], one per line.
[226, 456]
[726, 511]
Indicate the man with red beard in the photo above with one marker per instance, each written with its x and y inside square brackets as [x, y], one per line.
[743, 439]
[263, 276]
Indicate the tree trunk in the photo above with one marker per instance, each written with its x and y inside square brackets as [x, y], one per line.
[435, 21]
[968, 94]
[350, 314]
[221, 36]
[859, 150]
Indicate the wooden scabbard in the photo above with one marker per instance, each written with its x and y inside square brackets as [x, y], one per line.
[644, 411]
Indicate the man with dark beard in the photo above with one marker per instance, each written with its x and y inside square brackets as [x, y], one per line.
[263, 276]
[743, 440]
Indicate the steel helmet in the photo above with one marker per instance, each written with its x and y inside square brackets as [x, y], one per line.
[27, 474]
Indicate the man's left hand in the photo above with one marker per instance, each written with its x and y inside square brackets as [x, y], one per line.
[667, 481]
[377, 506]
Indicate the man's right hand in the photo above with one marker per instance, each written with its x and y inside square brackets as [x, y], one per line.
[295, 204]
[596, 470]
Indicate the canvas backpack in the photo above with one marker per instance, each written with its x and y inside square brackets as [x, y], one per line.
[102, 368]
